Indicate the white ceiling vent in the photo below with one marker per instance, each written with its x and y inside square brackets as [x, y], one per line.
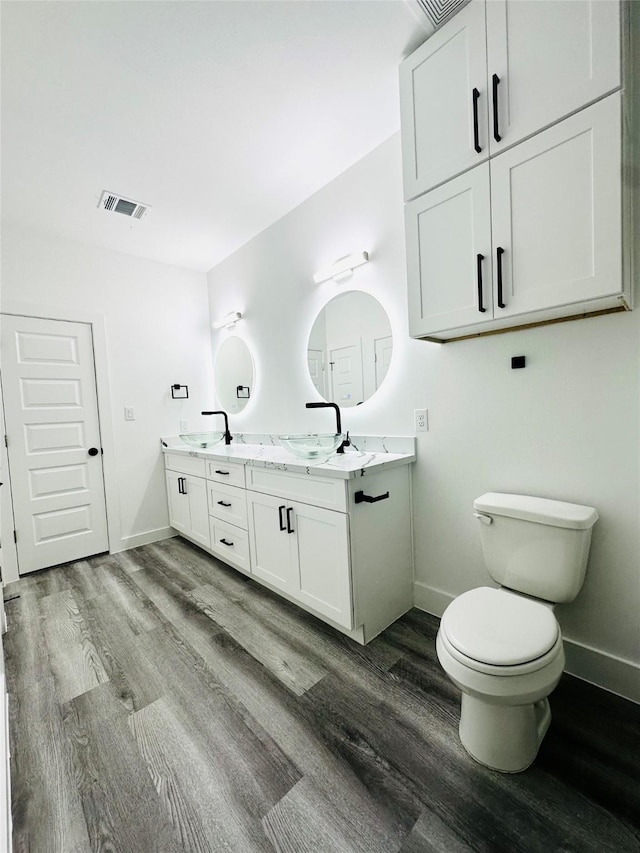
[113, 203]
[433, 13]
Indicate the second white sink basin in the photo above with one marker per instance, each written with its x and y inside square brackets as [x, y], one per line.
[202, 440]
[316, 447]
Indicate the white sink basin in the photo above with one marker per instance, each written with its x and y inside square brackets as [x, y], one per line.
[202, 440]
[316, 447]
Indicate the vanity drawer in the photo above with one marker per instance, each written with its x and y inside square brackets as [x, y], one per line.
[231, 473]
[231, 543]
[184, 464]
[328, 492]
[228, 503]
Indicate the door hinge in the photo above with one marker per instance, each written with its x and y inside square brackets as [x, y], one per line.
[15, 537]
[6, 441]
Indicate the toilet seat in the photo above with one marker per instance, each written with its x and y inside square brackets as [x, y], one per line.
[499, 632]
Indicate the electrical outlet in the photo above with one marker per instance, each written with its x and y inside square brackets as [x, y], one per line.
[421, 419]
[184, 426]
[129, 413]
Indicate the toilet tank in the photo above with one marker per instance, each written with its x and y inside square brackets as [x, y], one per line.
[535, 545]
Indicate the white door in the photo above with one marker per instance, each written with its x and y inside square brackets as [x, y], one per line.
[269, 535]
[448, 232]
[550, 59]
[383, 350]
[347, 387]
[443, 98]
[53, 436]
[321, 559]
[315, 361]
[556, 213]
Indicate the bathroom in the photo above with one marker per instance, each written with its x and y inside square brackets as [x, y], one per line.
[565, 427]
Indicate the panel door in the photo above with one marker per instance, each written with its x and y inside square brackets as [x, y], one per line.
[179, 516]
[383, 350]
[448, 233]
[347, 387]
[551, 59]
[321, 561]
[315, 363]
[437, 103]
[556, 213]
[269, 540]
[196, 488]
[52, 423]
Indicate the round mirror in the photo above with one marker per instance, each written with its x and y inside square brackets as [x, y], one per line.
[233, 375]
[350, 348]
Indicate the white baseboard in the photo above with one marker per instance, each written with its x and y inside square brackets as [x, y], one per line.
[612, 673]
[146, 538]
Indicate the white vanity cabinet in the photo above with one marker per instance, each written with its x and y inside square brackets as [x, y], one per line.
[533, 234]
[187, 497]
[498, 73]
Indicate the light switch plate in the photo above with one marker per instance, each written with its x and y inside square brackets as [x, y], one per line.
[184, 426]
[129, 413]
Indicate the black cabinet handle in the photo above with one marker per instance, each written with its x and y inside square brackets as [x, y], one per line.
[360, 498]
[499, 254]
[225, 473]
[289, 526]
[280, 518]
[480, 259]
[224, 503]
[496, 130]
[476, 140]
[182, 486]
[224, 542]
[93, 451]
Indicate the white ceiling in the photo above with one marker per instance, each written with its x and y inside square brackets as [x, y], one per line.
[222, 115]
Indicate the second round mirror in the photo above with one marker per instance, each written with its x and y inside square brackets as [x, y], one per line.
[350, 348]
[233, 375]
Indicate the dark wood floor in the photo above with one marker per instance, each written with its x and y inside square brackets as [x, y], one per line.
[160, 701]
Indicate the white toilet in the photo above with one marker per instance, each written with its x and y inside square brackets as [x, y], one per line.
[503, 647]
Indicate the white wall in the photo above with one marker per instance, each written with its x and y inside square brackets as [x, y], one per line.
[156, 332]
[564, 427]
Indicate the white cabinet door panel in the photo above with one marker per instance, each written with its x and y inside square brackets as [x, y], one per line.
[446, 230]
[437, 102]
[552, 58]
[556, 213]
[321, 558]
[178, 502]
[196, 488]
[269, 540]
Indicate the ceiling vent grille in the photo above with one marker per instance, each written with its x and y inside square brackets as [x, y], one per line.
[436, 12]
[113, 203]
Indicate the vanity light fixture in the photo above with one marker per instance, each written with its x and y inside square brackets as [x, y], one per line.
[229, 321]
[342, 268]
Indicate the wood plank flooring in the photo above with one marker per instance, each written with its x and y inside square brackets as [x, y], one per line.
[160, 701]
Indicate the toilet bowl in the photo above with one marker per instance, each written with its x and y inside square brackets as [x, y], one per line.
[505, 711]
[502, 647]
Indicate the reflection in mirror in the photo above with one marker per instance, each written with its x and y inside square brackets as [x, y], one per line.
[350, 348]
[233, 375]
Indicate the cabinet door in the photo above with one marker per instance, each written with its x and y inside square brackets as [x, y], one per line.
[551, 58]
[556, 213]
[196, 488]
[437, 102]
[270, 540]
[448, 232]
[321, 562]
[178, 502]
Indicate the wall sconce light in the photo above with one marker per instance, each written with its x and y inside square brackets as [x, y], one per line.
[229, 321]
[342, 268]
[180, 392]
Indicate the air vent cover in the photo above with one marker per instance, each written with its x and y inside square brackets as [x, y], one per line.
[114, 203]
[433, 13]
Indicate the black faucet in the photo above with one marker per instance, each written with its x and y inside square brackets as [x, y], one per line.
[346, 442]
[228, 438]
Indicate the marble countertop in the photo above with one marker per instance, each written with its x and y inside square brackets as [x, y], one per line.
[352, 463]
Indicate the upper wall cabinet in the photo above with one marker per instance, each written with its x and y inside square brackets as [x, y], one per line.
[485, 81]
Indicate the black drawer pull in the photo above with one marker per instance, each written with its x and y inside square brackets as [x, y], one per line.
[476, 141]
[481, 308]
[289, 525]
[496, 130]
[499, 254]
[224, 503]
[182, 486]
[224, 542]
[360, 498]
[280, 518]
[224, 473]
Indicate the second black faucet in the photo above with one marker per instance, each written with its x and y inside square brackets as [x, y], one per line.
[228, 438]
[346, 442]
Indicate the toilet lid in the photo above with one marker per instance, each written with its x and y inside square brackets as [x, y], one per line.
[499, 627]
